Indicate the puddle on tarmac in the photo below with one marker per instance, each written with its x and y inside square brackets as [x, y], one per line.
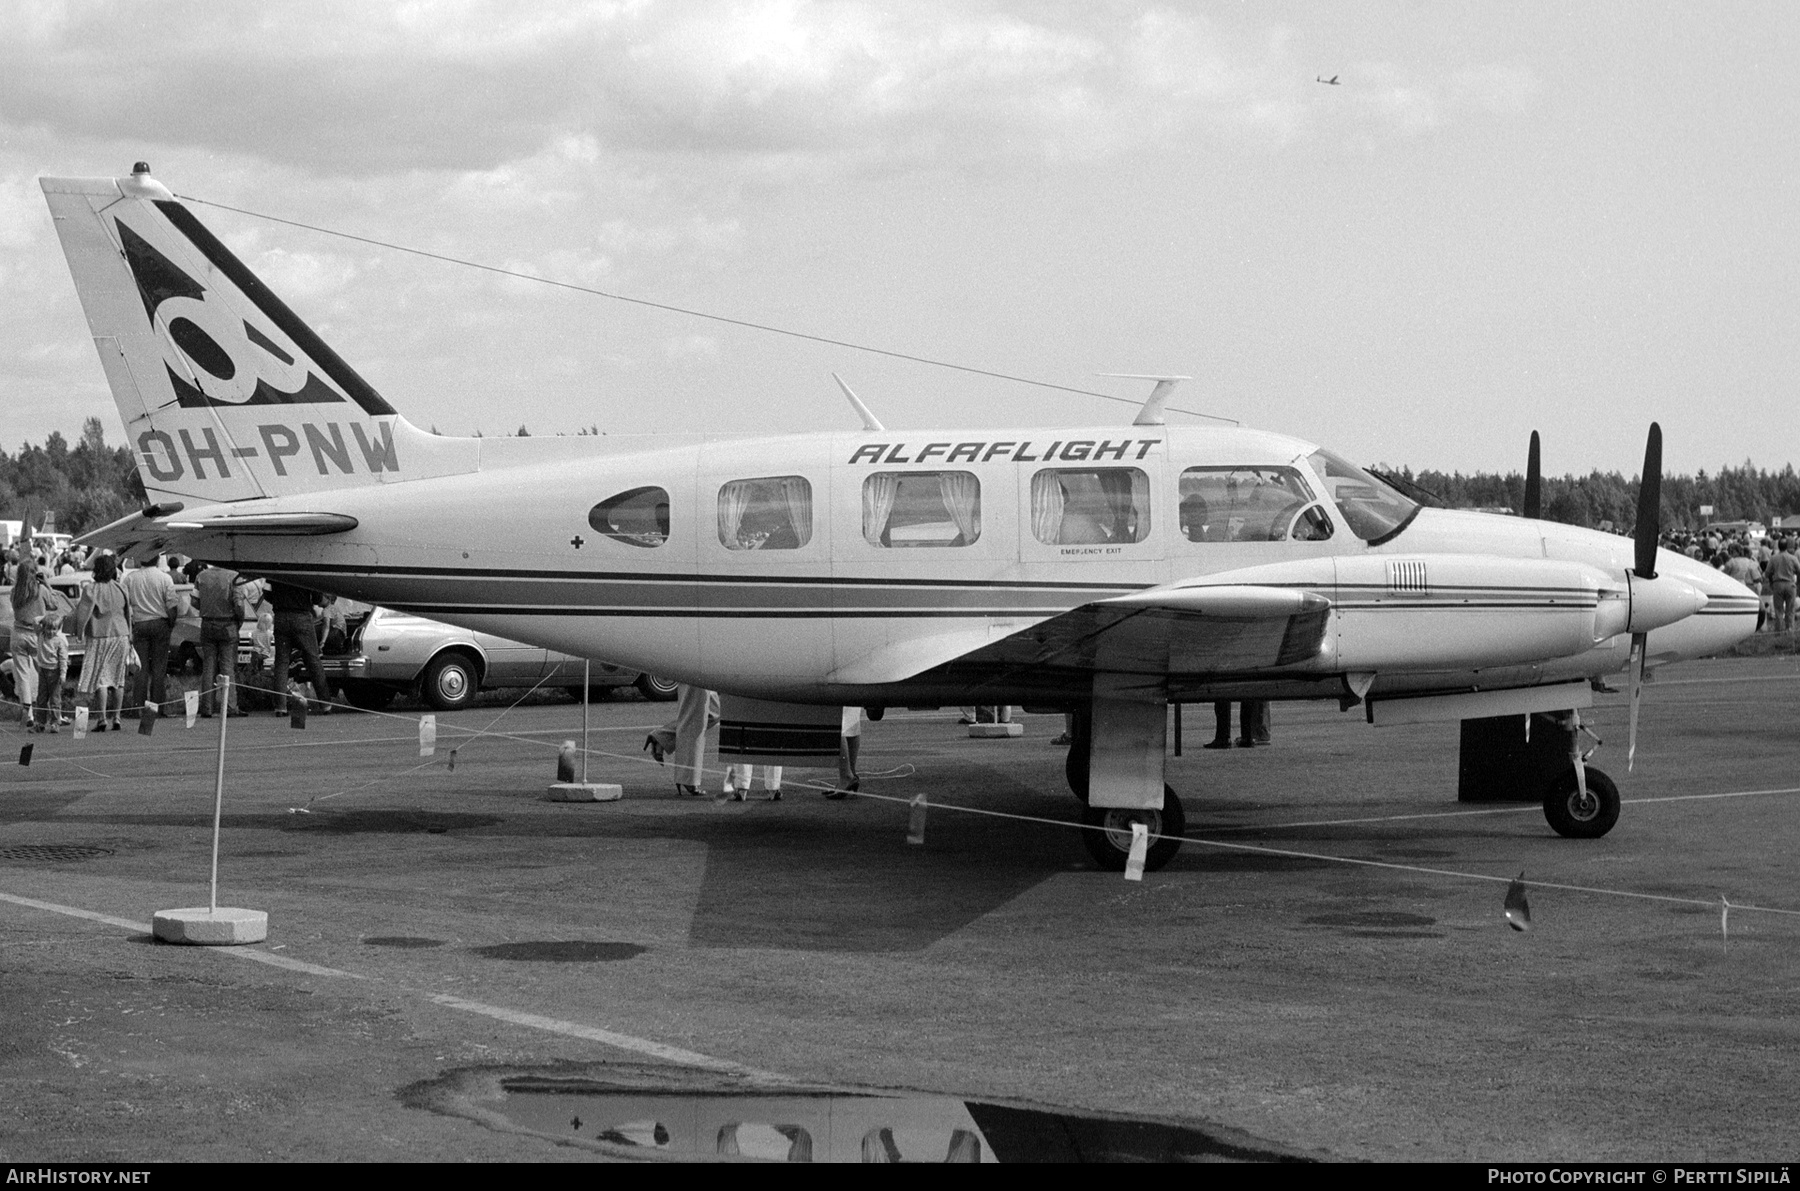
[1371, 918]
[380, 821]
[784, 1124]
[574, 951]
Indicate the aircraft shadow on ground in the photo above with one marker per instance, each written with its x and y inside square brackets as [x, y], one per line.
[856, 885]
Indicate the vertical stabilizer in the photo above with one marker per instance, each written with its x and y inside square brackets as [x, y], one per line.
[225, 393]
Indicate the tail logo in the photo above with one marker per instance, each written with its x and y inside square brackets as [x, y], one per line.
[213, 355]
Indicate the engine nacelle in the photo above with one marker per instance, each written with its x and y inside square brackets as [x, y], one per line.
[1463, 612]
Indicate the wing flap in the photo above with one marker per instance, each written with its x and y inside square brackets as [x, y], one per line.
[1161, 631]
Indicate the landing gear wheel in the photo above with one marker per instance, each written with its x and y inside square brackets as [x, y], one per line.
[1075, 766]
[1579, 818]
[450, 682]
[1111, 846]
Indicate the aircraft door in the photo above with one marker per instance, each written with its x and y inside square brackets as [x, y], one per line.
[1090, 520]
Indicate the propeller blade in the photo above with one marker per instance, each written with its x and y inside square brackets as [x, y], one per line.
[1649, 517]
[1640, 643]
[1534, 481]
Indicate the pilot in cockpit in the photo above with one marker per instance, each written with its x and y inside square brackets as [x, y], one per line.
[1193, 517]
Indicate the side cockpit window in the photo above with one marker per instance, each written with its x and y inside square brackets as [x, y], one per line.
[1374, 511]
[772, 513]
[921, 508]
[1251, 503]
[637, 517]
[1090, 506]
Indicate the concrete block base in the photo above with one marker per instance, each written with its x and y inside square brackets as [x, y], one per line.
[223, 927]
[995, 731]
[586, 792]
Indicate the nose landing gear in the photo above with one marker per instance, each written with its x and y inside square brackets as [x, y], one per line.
[1578, 813]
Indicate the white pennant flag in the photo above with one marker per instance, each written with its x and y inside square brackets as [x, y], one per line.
[427, 735]
[1140, 847]
[915, 829]
[191, 704]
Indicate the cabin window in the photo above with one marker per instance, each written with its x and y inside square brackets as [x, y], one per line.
[771, 513]
[1090, 506]
[1250, 504]
[921, 508]
[638, 517]
[1373, 510]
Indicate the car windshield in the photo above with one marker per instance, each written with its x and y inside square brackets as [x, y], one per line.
[1374, 511]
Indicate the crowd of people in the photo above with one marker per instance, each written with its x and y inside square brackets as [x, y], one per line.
[125, 620]
[1768, 565]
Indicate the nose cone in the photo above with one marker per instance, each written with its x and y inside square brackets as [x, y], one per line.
[1663, 601]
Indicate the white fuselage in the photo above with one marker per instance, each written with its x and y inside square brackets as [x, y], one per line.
[525, 548]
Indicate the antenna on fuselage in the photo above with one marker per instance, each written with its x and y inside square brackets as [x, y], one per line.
[869, 420]
[1152, 412]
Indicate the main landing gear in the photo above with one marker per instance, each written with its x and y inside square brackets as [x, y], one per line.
[1108, 839]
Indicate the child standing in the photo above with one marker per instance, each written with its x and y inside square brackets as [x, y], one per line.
[52, 668]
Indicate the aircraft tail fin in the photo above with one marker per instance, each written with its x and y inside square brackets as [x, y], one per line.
[226, 394]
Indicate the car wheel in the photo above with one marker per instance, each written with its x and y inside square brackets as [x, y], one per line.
[657, 690]
[450, 682]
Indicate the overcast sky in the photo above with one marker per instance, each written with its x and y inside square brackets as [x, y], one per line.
[1573, 218]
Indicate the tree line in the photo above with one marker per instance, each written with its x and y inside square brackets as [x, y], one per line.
[1746, 493]
[90, 484]
[86, 485]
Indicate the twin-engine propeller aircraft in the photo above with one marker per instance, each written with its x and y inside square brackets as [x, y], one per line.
[1107, 570]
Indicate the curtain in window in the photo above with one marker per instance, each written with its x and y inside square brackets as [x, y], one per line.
[734, 498]
[879, 491]
[1140, 500]
[962, 496]
[798, 495]
[1047, 507]
[1115, 485]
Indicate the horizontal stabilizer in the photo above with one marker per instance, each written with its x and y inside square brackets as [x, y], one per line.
[268, 524]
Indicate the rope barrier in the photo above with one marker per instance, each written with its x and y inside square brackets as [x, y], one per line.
[903, 771]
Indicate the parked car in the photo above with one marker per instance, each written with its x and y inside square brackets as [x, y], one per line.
[391, 652]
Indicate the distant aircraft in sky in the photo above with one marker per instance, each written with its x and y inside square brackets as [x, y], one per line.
[1329, 82]
[1104, 570]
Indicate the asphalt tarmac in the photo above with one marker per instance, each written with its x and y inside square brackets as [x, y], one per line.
[437, 932]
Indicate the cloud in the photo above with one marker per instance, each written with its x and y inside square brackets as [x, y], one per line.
[22, 216]
[691, 349]
[311, 277]
[468, 87]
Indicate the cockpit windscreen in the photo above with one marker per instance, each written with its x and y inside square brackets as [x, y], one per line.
[1374, 511]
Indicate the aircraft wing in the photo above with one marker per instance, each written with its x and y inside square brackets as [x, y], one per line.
[1197, 629]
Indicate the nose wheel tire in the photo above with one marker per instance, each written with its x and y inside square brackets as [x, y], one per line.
[1576, 817]
[1110, 846]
